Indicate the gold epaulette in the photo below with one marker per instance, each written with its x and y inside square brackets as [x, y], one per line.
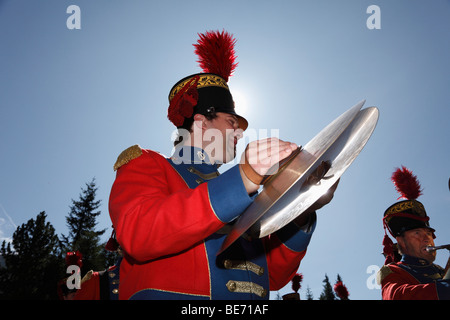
[127, 155]
[383, 273]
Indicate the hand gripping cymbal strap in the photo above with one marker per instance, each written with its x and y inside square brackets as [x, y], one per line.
[256, 178]
[248, 170]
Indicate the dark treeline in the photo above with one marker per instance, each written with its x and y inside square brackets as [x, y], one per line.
[34, 261]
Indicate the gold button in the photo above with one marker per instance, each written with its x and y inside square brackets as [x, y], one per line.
[227, 264]
[201, 155]
[231, 285]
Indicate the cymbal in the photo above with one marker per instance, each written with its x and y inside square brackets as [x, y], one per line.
[284, 197]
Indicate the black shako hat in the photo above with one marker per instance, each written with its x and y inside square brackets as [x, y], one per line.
[208, 92]
[404, 215]
[407, 214]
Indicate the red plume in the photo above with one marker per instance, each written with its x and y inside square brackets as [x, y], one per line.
[406, 184]
[296, 282]
[341, 290]
[74, 258]
[216, 53]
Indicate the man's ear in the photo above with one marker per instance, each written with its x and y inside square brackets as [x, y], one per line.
[400, 243]
[200, 121]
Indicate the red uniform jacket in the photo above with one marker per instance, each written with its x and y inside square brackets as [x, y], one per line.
[413, 279]
[169, 218]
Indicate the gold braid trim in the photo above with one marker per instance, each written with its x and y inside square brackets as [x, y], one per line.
[204, 176]
[246, 287]
[243, 265]
[127, 155]
[403, 206]
[206, 80]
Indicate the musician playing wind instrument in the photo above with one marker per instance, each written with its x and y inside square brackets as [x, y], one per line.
[410, 274]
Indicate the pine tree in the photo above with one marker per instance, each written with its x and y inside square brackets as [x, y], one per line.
[327, 293]
[34, 263]
[309, 294]
[81, 222]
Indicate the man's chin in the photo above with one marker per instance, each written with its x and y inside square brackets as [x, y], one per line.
[230, 154]
[229, 158]
[429, 256]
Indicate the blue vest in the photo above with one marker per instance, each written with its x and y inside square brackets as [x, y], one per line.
[241, 271]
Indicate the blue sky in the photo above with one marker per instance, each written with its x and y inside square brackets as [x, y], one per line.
[72, 100]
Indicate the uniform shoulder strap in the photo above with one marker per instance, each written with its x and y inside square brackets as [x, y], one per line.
[383, 273]
[127, 155]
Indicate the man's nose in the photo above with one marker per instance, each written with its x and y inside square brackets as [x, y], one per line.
[427, 238]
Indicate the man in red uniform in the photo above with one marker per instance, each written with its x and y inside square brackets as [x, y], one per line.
[171, 215]
[415, 276]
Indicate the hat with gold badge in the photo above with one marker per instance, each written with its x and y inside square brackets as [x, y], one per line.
[208, 92]
[406, 214]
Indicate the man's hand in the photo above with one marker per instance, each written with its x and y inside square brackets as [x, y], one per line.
[259, 157]
[325, 199]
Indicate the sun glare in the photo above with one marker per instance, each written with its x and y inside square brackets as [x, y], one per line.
[240, 102]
